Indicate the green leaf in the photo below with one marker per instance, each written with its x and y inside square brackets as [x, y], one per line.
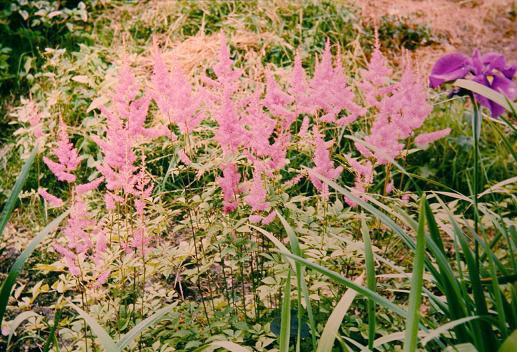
[17, 267]
[228, 345]
[105, 340]
[415, 295]
[285, 325]
[350, 284]
[18, 185]
[510, 343]
[370, 280]
[300, 279]
[52, 335]
[20, 318]
[445, 327]
[141, 326]
[331, 329]
[486, 92]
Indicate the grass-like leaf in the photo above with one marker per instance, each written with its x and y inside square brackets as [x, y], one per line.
[141, 326]
[370, 280]
[285, 325]
[18, 185]
[378, 299]
[328, 336]
[105, 340]
[20, 318]
[17, 267]
[300, 279]
[415, 296]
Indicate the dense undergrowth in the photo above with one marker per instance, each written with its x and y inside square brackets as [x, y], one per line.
[249, 175]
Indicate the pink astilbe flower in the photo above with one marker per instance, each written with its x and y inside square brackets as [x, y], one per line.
[375, 80]
[229, 184]
[184, 157]
[278, 102]
[77, 235]
[102, 278]
[68, 158]
[256, 198]
[90, 186]
[52, 200]
[398, 115]
[329, 91]
[323, 164]
[259, 127]
[230, 134]
[425, 139]
[363, 178]
[223, 104]
[125, 131]
[144, 189]
[175, 96]
[299, 88]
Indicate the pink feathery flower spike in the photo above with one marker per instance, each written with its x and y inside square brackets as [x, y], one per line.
[399, 114]
[68, 158]
[323, 164]
[175, 96]
[90, 186]
[256, 198]
[229, 184]
[125, 130]
[425, 139]
[376, 77]
[52, 200]
[363, 178]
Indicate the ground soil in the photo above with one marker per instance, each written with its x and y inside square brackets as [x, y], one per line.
[458, 25]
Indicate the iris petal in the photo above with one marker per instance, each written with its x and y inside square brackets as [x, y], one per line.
[449, 68]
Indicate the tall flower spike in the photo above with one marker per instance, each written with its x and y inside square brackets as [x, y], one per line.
[375, 78]
[68, 158]
[229, 184]
[331, 93]
[175, 97]
[323, 164]
[125, 130]
[363, 178]
[256, 198]
[399, 114]
[299, 88]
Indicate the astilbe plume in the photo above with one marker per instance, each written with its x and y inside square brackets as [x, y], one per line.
[125, 131]
[175, 96]
[363, 178]
[51, 199]
[230, 133]
[424, 139]
[323, 164]
[375, 79]
[229, 184]
[79, 244]
[68, 158]
[329, 91]
[299, 88]
[278, 102]
[398, 115]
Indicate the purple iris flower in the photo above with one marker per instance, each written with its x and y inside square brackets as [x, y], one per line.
[490, 70]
